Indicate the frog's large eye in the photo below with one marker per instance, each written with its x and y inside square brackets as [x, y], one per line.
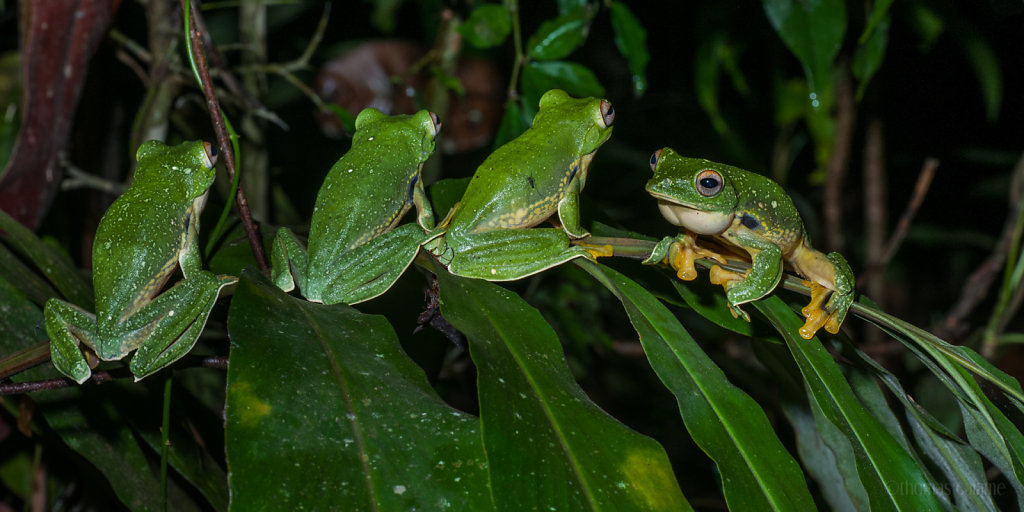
[211, 154]
[654, 159]
[709, 182]
[437, 123]
[607, 112]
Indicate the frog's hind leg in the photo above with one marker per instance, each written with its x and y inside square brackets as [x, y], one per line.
[288, 261]
[372, 268]
[68, 325]
[168, 327]
[509, 254]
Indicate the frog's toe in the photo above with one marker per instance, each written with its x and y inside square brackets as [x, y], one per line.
[814, 320]
[725, 277]
[597, 251]
[687, 274]
[738, 312]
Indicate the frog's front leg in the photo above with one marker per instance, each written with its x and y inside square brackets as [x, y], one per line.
[68, 325]
[831, 283]
[288, 261]
[569, 211]
[508, 254]
[368, 270]
[681, 252]
[764, 274]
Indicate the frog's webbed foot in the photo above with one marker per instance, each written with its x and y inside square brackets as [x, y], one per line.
[681, 253]
[727, 279]
[596, 251]
[828, 307]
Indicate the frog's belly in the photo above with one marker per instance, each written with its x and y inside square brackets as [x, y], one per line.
[700, 222]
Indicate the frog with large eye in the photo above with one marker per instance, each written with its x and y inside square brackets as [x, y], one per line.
[748, 211]
[356, 248]
[523, 183]
[146, 234]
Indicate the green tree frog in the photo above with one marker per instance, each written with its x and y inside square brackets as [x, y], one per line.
[356, 252]
[145, 235]
[522, 184]
[748, 211]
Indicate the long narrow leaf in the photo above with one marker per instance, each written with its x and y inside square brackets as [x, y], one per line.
[757, 472]
[890, 475]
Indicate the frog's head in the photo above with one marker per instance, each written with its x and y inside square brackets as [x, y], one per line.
[587, 120]
[189, 163]
[413, 133]
[693, 193]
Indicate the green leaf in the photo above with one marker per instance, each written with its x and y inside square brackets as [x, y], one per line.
[986, 69]
[557, 38]
[867, 59]
[706, 71]
[573, 78]
[54, 264]
[548, 446]
[891, 477]
[757, 472]
[631, 38]
[325, 411]
[445, 193]
[488, 25]
[813, 30]
[96, 421]
[879, 15]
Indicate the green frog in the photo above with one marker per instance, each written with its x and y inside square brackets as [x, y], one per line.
[357, 249]
[523, 183]
[744, 210]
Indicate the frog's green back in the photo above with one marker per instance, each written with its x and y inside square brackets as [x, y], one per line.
[139, 237]
[369, 188]
[520, 184]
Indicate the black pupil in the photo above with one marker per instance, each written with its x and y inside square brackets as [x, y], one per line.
[708, 183]
[610, 111]
[654, 159]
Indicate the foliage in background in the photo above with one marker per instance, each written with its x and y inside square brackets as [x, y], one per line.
[588, 387]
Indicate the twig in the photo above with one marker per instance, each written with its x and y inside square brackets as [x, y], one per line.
[224, 142]
[837, 164]
[875, 220]
[977, 286]
[102, 377]
[924, 181]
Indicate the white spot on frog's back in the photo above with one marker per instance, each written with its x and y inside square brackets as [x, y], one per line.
[399, 489]
[775, 204]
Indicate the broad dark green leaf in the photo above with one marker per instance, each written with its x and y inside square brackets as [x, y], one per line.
[548, 446]
[540, 77]
[813, 30]
[566, 6]
[557, 38]
[445, 193]
[488, 25]
[54, 264]
[757, 472]
[631, 38]
[706, 71]
[891, 477]
[325, 411]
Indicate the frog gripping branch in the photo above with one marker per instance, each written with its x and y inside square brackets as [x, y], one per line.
[146, 234]
[522, 184]
[744, 210]
[356, 252]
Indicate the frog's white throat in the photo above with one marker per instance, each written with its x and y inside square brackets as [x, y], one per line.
[698, 221]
